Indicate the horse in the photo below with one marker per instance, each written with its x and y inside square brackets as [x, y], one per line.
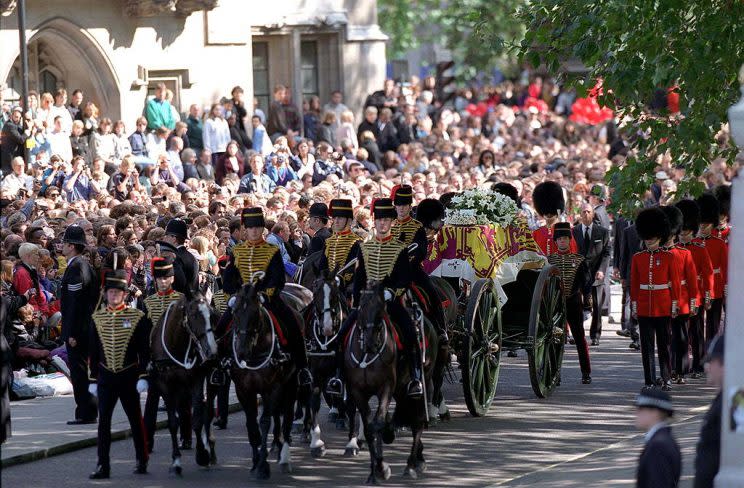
[372, 369]
[261, 368]
[324, 317]
[182, 344]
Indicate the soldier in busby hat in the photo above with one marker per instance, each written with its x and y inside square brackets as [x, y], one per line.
[688, 292]
[410, 231]
[660, 464]
[79, 294]
[550, 205]
[654, 293]
[343, 245]
[723, 195]
[704, 279]
[718, 254]
[575, 281]
[430, 212]
[118, 369]
[254, 255]
[384, 259]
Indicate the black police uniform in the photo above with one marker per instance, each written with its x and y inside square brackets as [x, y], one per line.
[79, 294]
[118, 359]
[660, 464]
[317, 242]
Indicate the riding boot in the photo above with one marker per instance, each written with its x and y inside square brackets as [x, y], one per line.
[415, 387]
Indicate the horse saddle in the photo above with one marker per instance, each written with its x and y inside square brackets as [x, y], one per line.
[297, 297]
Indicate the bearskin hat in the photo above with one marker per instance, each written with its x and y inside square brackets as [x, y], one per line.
[723, 195]
[548, 198]
[690, 214]
[508, 190]
[674, 216]
[709, 209]
[651, 223]
[429, 211]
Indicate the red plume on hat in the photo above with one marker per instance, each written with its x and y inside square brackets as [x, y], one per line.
[394, 191]
[330, 208]
[372, 205]
[154, 261]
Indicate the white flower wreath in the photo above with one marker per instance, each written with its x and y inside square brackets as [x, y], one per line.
[479, 207]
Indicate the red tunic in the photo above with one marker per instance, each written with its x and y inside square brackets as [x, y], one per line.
[722, 233]
[718, 253]
[688, 279]
[654, 280]
[704, 270]
[544, 238]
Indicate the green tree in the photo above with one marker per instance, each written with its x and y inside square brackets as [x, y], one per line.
[637, 47]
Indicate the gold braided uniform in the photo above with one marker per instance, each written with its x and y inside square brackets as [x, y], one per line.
[337, 250]
[115, 330]
[380, 257]
[219, 299]
[408, 226]
[158, 303]
[568, 264]
[250, 258]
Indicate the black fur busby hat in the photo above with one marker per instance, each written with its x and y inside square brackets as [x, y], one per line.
[710, 212]
[116, 280]
[252, 217]
[690, 214]
[402, 195]
[383, 208]
[340, 207]
[723, 195]
[162, 267]
[674, 216]
[652, 223]
[429, 211]
[548, 198]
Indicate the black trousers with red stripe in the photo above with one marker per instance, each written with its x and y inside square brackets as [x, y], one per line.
[655, 332]
[681, 344]
[113, 387]
[575, 318]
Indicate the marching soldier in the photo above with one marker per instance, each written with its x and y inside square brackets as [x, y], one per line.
[723, 229]
[155, 306]
[118, 361]
[687, 298]
[575, 280]
[79, 297]
[343, 245]
[704, 279]
[384, 259]
[654, 293]
[718, 253]
[252, 256]
[550, 205]
[410, 231]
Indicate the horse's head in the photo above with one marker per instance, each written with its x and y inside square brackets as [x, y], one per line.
[247, 317]
[199, 322]
[371, 317]
[326, 300]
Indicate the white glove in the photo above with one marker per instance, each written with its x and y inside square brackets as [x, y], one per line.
[93, 389]
[231, 302]
[388, 294]
[142, 385]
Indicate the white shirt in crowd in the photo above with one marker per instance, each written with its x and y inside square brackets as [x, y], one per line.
[155, 146]
[216, 134]
[174, 159]
[59, 144]
[66, 118]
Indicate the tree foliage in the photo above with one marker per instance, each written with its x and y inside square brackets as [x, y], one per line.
[637, 47]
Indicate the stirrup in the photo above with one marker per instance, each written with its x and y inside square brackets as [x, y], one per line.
[304, 377]
[335, 387]
[415, 389]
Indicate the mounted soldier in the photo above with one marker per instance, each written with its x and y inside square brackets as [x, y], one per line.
[343, 245]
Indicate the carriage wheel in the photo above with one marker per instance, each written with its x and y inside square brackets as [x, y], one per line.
[546, 330]
[480, 360]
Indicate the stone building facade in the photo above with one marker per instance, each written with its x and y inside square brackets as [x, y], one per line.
[117, 50]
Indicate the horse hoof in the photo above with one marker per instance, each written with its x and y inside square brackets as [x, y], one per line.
[421, 467]
[386, 471]
[409, 472]
[340, 424]
[177, 470]
[350, 452]
[213, 459]
[371, 480]
[202, 458]
[318, 452]
[285, 468]
[445, 417]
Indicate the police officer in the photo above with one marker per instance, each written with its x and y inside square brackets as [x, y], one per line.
[252, 256]
[575, 280]
[410, 231]
[176, 233]
[718, 254]
[343, 245]
[660, 464]
[78, 299]
[384, 259]
[118, 360]
[550, 205]
[654, 293]
[155, 306]
[708, 451]
[318, 221]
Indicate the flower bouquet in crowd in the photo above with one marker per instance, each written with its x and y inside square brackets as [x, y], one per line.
[479, 206]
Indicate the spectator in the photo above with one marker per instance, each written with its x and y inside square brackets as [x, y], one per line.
[181, 131]
[59, 141]
[13, 140]
[26, 277]
[121, 142]
[188, 158]
[158, 110]
[17, 180]
[311, 118]
[216, 133]
[194, 128]
[78, 141]
[327, 164]
[90, 118]
[165, 174]
[306, 159]
[79, 185]
[238, 103]
[345, 131]
[125, 180]
[388, 138]
[231, 162]
[369, 144]
[238, 135]
[326, 132]
[277, 124]
[59, 110]
[174, 156]
[256, 181]
[369, 124]
[175, 115]
[278, 237]
[279, 170]
[204, 166]
[336, 105]
[261, 140]
[138, 142]
[157, 143]
[103, 145]
[75, 103]
[45, 106]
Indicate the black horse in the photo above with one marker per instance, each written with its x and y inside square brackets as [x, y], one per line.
[260, 367]
[373, 369]
[182, 345]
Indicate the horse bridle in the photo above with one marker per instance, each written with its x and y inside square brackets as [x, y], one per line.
[240, 363]
[193, 339]
[337, 318]
[363, 363]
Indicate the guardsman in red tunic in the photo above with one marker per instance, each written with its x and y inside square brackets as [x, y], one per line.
[723, 229]
[654, 294]
[575, 280]
[550, 205]
[688, 303]
[704, 271]
[718, 253]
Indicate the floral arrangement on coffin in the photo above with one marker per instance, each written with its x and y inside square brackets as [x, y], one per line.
[481, 207]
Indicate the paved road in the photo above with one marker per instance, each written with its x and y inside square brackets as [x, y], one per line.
[581, 436]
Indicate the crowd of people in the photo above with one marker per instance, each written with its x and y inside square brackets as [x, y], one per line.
[65, 164]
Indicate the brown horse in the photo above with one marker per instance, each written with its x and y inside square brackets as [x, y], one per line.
[260, 367]
[373, 369]
[182, 345]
